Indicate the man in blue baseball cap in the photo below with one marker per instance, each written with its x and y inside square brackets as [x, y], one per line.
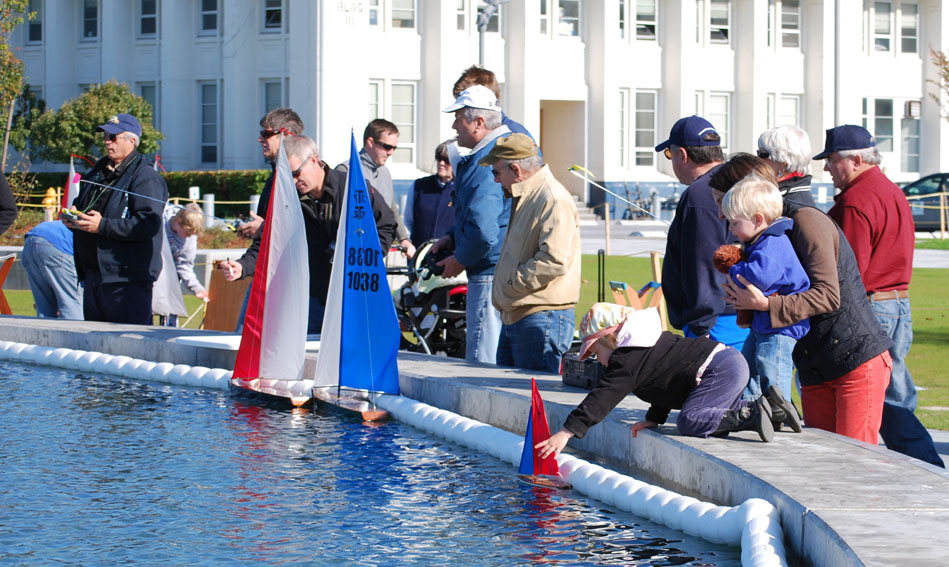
[117, 228]
[876, 219]
[690, 282]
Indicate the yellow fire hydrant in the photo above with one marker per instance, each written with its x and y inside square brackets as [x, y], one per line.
[51, 203]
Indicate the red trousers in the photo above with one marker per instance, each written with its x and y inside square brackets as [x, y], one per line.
[851, 405]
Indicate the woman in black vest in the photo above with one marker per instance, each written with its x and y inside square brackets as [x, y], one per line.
[428, 210]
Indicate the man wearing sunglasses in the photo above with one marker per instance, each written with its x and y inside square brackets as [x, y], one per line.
[380, 140]
[271, 125]
[690, 282]
[118, 230]
[321, 198]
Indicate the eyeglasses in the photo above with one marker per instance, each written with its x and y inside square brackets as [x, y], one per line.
[267, 134]
[107, 137]
[296, 172]
[764, 155]
[668, 153]
[386, 147]
[443, 159]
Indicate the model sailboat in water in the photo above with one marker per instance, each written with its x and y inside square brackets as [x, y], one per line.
[273, 343]
[533, 469]
[360, 339]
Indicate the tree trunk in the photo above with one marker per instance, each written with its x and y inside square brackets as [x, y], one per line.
[6, 135]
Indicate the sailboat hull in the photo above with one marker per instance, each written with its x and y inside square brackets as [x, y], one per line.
[350, 402]
[282, 392]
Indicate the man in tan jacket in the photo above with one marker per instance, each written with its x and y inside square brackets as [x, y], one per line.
[537, 277]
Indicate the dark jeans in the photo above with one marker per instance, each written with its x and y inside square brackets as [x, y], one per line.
[902, 432]
[720, 390]
[116, 302]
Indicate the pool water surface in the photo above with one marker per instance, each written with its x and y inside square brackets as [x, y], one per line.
[99, 470]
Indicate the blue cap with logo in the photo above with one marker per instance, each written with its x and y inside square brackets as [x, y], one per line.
[691, 131]
[122, 123]
[846, 137]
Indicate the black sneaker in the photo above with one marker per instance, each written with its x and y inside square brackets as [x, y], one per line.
[783, 411]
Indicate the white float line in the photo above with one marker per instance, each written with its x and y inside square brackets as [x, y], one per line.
[754, 525]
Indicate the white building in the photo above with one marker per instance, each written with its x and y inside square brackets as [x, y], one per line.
[598, 82]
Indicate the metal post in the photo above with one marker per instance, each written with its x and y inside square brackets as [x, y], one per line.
[208, 210]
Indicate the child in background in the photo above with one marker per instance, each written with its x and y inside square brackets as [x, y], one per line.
[753, 210]
[701, 377]
[182, 225]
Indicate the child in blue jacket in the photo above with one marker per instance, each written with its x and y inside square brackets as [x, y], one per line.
[753, 209]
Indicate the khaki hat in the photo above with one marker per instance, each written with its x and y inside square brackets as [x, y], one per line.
[513, 147]
[601, 320]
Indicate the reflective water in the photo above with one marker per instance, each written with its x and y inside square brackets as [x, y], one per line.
[107, 471]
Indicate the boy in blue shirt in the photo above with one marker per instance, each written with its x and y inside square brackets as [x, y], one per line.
[753, 209]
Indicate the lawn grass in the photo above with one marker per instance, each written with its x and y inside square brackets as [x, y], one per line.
[928, 359]
[933, 244]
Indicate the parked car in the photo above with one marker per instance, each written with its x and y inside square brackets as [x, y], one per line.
[926, 209]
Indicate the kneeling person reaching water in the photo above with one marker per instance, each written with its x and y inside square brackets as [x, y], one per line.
[700, 377]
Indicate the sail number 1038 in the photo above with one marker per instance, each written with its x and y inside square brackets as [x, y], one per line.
[366, 257]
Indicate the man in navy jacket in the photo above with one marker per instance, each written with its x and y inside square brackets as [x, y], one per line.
[118, 228]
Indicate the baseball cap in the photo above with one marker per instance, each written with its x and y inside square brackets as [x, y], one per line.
[601, 320]
[475, 96]
[513, 147]
[690, 132]
[846, 137]
[122, 123]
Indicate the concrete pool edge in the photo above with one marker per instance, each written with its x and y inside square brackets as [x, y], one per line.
[820, 506]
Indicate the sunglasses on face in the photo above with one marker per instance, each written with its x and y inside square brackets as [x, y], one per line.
[764, 155]
[296, 172]
[668, 153]
[386, 147]
[267, 134]
[106, 137]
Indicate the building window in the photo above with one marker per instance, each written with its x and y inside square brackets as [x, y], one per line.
[375, 99]
[403, 13]
[90, 19]
[209, 123]
[148, 19]
[718, 114]
[882, 26]
[545, 16]
[789, 111]
[909, 30]
[403, 116]
[209, 14]
[569, 23]
[645, 134]
[785, 16]
[461, 16]
[718, 21]
[646, 20]
[35, 28]
[273, 15]
[374, 10]
[273, 94]
[883, 124]
[909, 128]
[623, 131]
[149, 91]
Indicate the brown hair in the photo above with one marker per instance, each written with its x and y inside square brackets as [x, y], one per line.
[283, 118]
[378, 128]
[475, 75]
[737, 167]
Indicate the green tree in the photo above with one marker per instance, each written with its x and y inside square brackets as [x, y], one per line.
[27, 110]
[12, 14]
[72, 128]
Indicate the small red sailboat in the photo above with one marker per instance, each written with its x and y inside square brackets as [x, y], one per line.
[533, 469]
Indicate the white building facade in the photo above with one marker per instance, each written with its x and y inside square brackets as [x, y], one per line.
[598, 82]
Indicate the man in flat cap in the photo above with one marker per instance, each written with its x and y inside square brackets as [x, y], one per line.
[876, 219]
[481, 217]
[117, 230]
[537, 278]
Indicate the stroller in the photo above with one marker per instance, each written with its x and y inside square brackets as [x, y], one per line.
[430, 307]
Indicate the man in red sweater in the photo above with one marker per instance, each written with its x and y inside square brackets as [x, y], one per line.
[877, 221]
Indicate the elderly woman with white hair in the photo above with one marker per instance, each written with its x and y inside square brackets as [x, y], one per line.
[787, 149]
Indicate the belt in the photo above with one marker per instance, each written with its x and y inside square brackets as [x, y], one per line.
[887, 295]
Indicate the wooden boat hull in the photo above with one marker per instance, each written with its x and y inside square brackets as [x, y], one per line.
[544, 481]
[294, 393]
[350, 402]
